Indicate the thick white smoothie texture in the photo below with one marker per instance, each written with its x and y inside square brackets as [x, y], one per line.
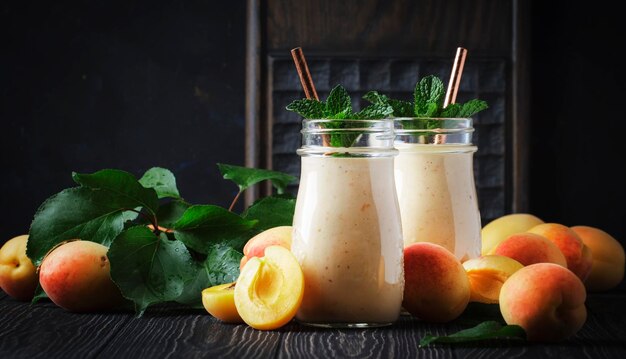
[437, 197]
[348, 240]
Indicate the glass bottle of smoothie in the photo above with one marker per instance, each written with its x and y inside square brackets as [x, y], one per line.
[347, 232]
[435, 183]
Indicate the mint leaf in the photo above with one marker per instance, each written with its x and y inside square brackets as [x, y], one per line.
[483, 331]
[402, 108]
[149, 269]
[221, 266]
[374, 111]
[122, 185]
[428, 96]
[451, 111]
[376, 98]
[162, 181]
[308, 108]
[338, 103]
[472, 107]
[245, 177]
[79, 213]
[203, 226]
[271, 212]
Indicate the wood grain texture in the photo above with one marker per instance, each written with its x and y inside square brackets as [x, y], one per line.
[168, 331]
[482, 26]
[44, 330]
[180, 333]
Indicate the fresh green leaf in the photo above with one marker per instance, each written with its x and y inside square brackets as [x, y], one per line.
[484, 331]
[39, 294]
[338, 103]
[245, 177]
[308, 108]
[375, 111]
[122, 185]
[271, 212]
[376, 98]
[472, 107]
[203, 226]
[402, 108]
[451, 111]
[149, 269]
[170, 212]
[428, 96]
[78, 213]
[221, 266]
[162, 181]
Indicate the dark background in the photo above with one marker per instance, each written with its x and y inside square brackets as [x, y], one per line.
[132, 85]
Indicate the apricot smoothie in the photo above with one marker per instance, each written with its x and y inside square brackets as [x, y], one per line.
[436, 190]
[348, 241]
[347, 237]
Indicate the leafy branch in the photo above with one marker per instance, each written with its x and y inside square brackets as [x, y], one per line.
[199, 245]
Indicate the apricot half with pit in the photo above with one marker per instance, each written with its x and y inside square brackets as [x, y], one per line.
[269, 289]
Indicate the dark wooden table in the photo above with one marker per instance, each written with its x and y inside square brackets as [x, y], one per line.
[46, 331]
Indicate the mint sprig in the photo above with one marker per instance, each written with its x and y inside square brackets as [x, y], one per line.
[338, 106]
[427, 101]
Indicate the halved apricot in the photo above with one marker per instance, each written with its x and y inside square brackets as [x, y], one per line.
[219, 301]
[487, 274]
[270, 289]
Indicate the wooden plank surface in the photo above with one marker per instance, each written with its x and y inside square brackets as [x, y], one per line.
[44, 330]
[182, 333]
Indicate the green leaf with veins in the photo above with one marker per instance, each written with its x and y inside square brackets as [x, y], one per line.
[472, 107]
[428, 102]
[203, 226]
[79, 213]
[402, 108]
[162, 181]
[338, 104]
[221, 266]
[374, 111]
[271, 212]
[122, 185]
[245, 177]
[489, 330]
[428, 96]
[308, 108]
[149, 269]
[170, 212]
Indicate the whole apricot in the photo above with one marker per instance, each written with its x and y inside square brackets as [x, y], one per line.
[607, 268]
[529, 248]
[576, 253]
[500, 228]
[436, 287]
[76, 277]
[545, 299]
[18, 277]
